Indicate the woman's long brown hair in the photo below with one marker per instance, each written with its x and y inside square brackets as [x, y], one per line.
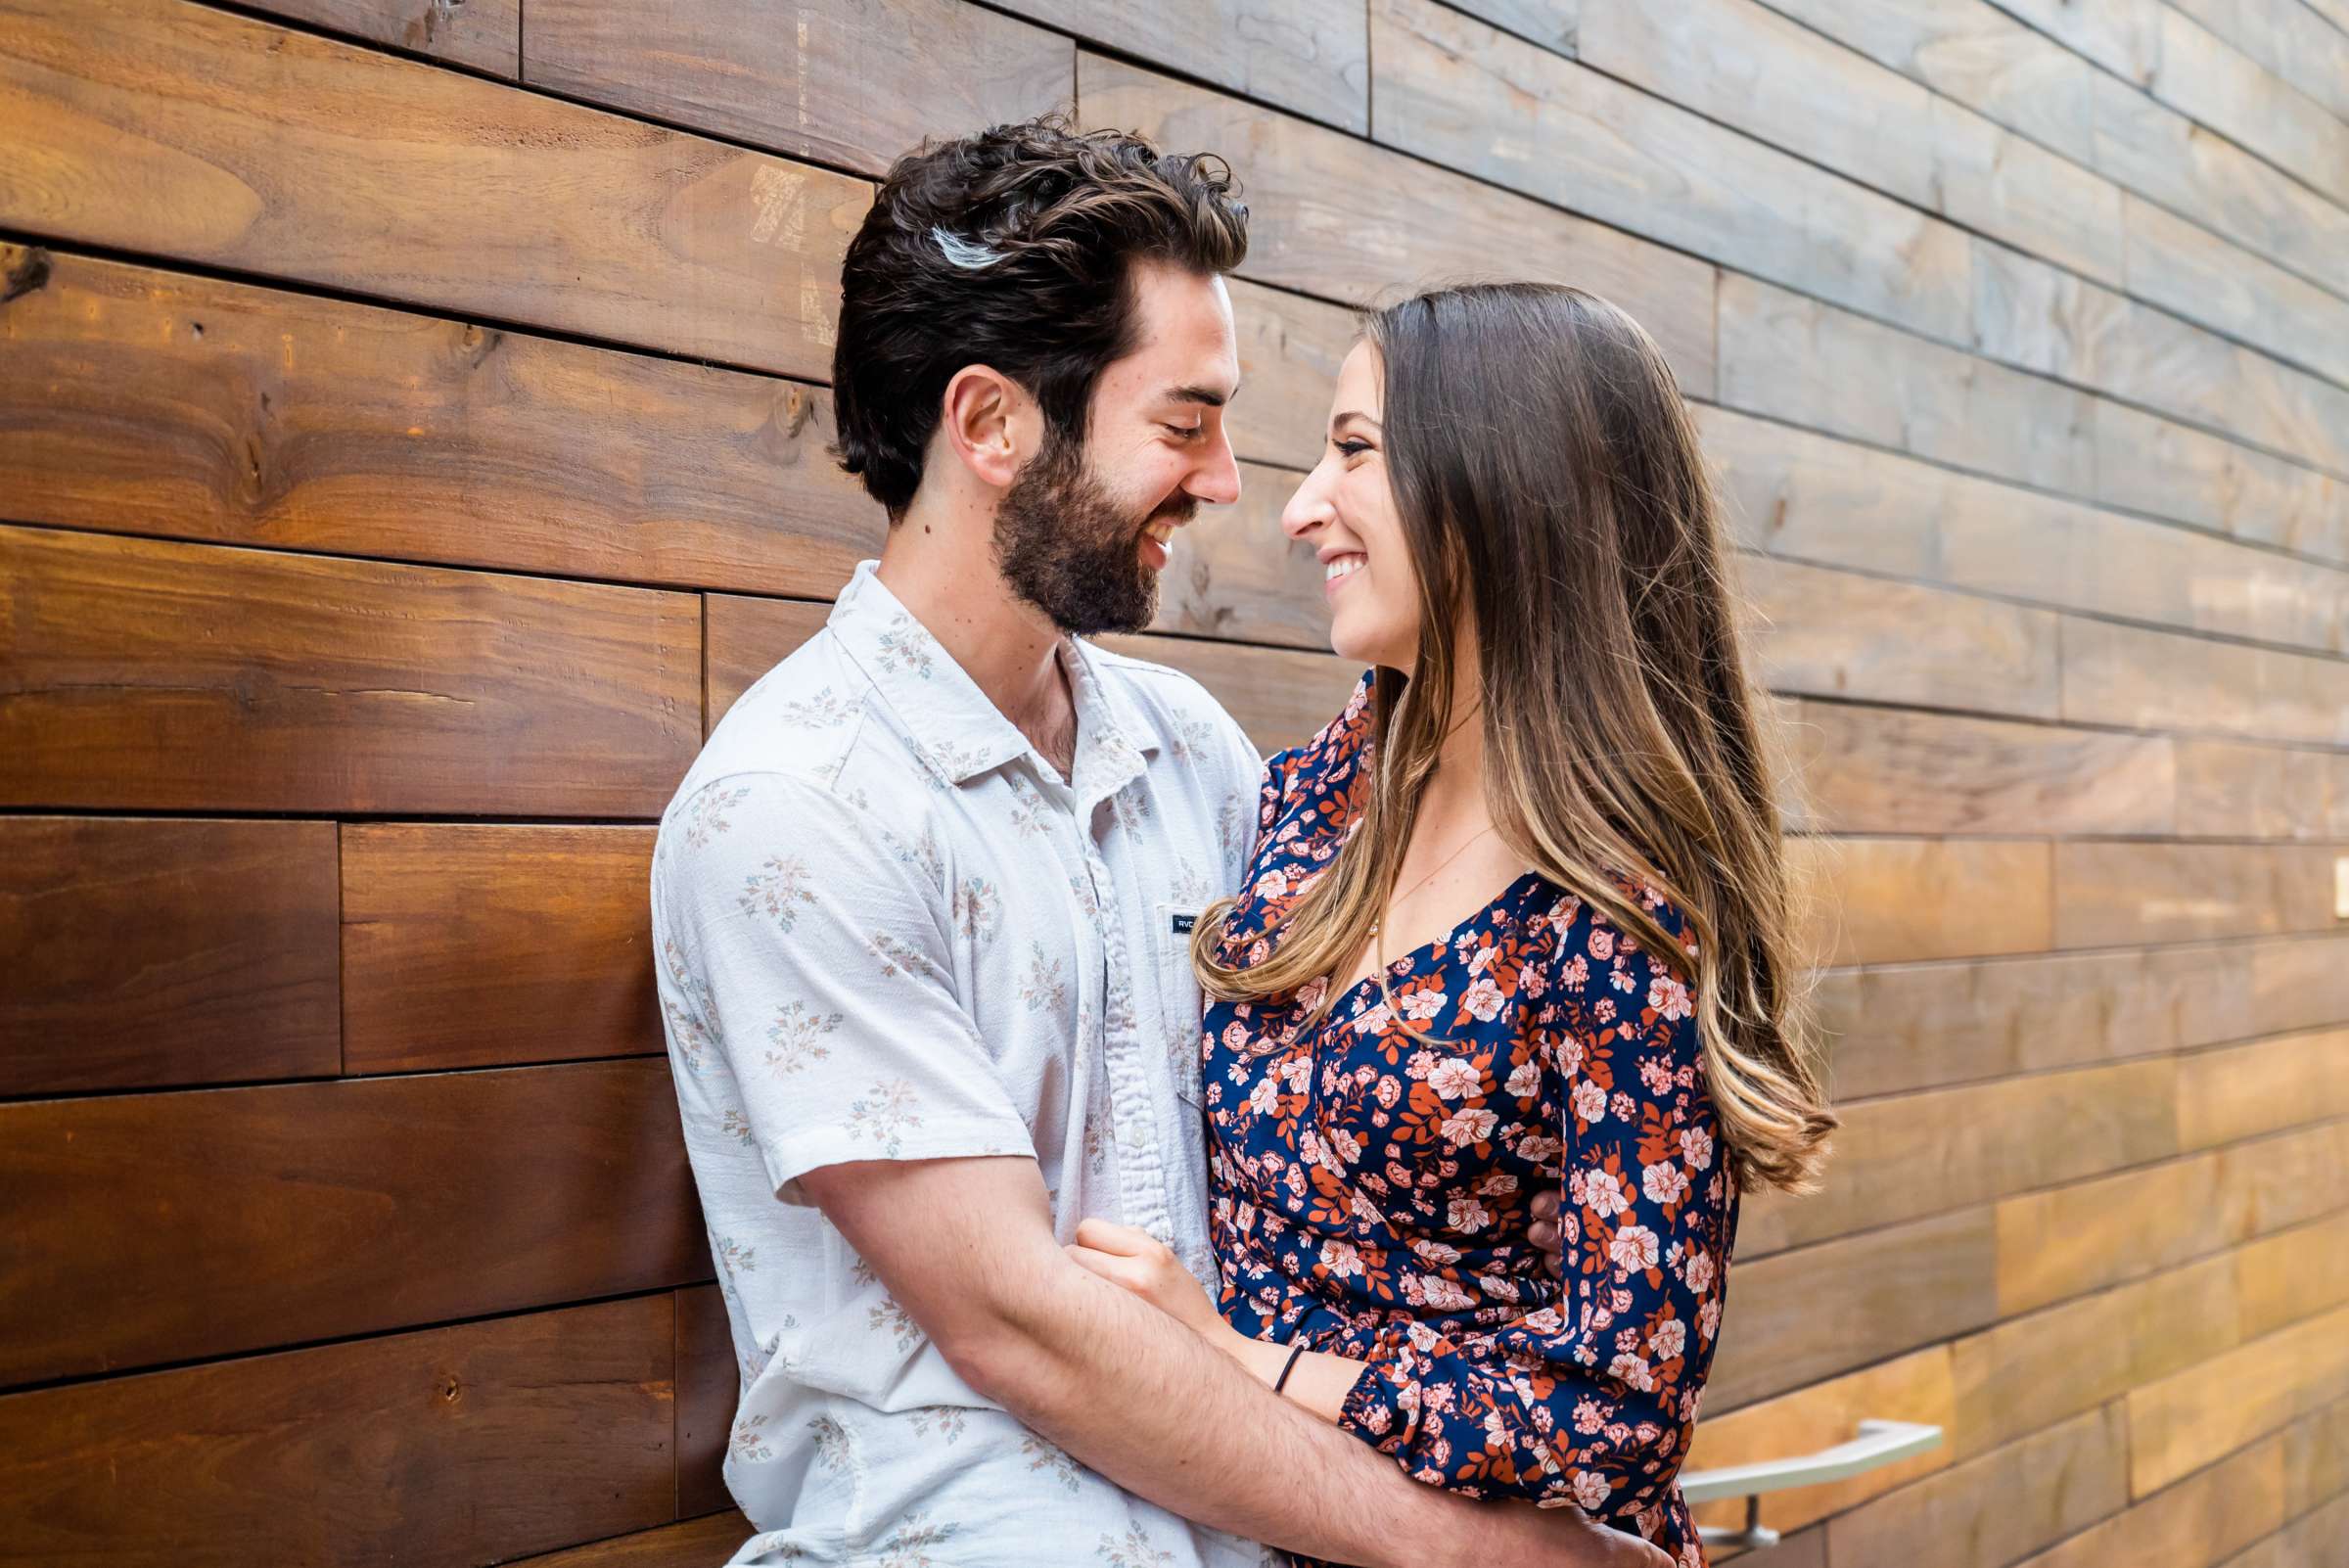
[1550, 482]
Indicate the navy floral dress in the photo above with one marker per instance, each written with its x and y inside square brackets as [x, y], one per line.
[1369, 1188]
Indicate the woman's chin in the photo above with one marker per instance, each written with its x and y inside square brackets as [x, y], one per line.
[1361, 645]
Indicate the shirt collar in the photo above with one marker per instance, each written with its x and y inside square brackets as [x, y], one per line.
[1112, 736]
[955, 729]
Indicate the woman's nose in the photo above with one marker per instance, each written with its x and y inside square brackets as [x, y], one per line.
[1308, 508]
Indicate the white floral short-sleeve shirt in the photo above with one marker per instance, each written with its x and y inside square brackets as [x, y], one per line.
[886, 928]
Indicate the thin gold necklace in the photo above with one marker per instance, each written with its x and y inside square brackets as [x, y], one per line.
[1378, 951]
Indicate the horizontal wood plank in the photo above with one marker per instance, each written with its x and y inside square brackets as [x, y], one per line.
[747, 638]
[2297, 1273]
[2146, 679]
[2305, 1540]
[1910, 1025]
[1975, 54]
[1827, 634]
[1986, 1513]
[2299, 982]
[155, 402]
[709, 1387]
[177, 129]
[478, 944]
[1808, 1314]
[2212, 82]
[2295, 42]
[2165, 469]
[2242, 1091]
[148, 676]
[122, 973]
[2092, 1234]
[1792, 358]
[1871, 769]
[1889, 901]
[695, 1543]
[1913, 1155]
[2148, 146]
[481, 34]
[2111, 895]
[444, 1449]
[2195, 1525]
[2315, 1460]
[1290, 350]
[2227, 789]
[1810, 497]
[1356, 223]
[2039, 318]
[2030, 1371]
[261, 1217]
[2185, 268]
[1845, 112]
[850, 84]
[2124, 36]
[1470, 97]
[1309, 55]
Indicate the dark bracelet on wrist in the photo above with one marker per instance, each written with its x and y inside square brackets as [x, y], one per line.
[1288, 1366]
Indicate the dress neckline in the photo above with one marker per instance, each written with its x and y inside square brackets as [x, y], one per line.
[1467, 925]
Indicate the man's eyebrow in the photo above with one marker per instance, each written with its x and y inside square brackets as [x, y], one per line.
[1202, 394]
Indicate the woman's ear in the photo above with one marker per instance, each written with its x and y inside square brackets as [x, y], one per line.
[989, 424]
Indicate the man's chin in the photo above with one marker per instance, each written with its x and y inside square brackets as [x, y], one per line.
[1091, 619]
[1096, 627]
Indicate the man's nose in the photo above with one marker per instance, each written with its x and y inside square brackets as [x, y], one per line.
[1217, 480]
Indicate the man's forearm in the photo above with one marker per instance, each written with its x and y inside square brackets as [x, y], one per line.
[1148, 1404]
[967, 1247]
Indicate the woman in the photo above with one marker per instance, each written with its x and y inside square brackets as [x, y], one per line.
[1521, 540]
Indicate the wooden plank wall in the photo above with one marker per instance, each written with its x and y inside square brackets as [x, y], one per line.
[412, 438]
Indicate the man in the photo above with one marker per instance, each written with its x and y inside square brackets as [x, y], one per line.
[921, 908]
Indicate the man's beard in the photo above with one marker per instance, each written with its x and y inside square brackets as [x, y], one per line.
[1068, 547]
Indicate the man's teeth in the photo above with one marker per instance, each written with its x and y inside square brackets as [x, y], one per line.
[1343, 565]
[1161, 531]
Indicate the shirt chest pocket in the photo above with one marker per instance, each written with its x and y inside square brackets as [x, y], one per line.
[1171, 925]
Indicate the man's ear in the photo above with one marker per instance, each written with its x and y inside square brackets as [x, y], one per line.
[989, 424]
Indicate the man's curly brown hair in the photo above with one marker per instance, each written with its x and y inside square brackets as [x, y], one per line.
[1012, 248]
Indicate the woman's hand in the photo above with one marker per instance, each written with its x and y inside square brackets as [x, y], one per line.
[1543, 1231]
[1126, 1256]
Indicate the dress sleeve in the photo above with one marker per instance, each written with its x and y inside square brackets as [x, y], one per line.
[804, 950]
[1592, 1399]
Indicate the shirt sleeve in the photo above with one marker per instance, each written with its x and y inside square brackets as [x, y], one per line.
[1592, 1399]
[805, 950]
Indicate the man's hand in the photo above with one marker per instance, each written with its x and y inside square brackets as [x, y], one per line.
[1543, 1231]
[1568, 1535]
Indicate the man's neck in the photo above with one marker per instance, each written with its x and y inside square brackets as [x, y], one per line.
[944, 573]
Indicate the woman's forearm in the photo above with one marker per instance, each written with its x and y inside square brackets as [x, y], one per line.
[1318, 1383]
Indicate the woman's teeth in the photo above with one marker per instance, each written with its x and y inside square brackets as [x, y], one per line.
[1344, 565]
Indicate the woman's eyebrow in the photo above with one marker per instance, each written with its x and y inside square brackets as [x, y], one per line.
[1337, 419]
